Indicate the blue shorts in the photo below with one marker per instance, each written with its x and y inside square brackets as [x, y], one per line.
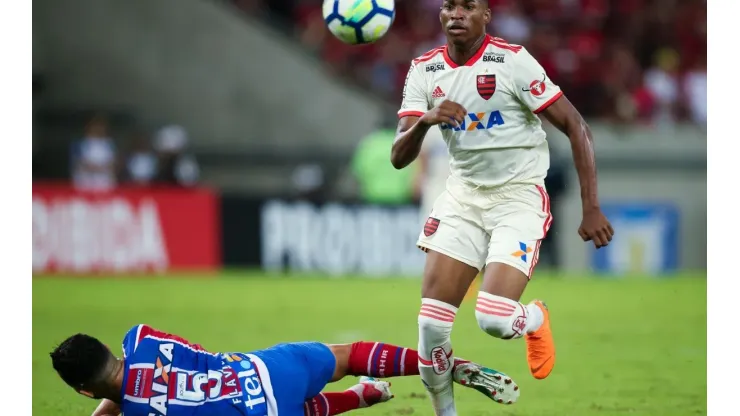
[298, 372]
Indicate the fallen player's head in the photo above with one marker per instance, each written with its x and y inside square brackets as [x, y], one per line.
[464, 21]
[88, 366]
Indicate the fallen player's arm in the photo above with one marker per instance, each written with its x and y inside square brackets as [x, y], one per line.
[409, 137]
[107, 408]
[563, 115]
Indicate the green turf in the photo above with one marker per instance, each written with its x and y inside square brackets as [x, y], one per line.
[625, 347]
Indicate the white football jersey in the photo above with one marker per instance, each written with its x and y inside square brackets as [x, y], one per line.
[502, 87]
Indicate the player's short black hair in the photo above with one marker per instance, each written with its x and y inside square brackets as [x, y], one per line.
[80, 359]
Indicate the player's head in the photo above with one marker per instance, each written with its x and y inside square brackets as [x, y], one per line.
[464, 21]
[86, 365]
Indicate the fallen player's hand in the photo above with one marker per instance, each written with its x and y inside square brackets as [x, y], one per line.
[107, 408]
[595, 227]
[447, 111]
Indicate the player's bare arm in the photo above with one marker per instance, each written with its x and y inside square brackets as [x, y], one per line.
[412, 129]
[421, 173]
[563, 115]
[107, 408]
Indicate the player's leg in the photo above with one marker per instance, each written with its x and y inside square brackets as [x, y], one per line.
[518, 225]
[293, 375]
[377, 359]
[456, 243]
[444, 286]
[366, 393]
[329, 363]
[373, 359]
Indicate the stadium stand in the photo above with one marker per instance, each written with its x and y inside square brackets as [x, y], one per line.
[619, 60]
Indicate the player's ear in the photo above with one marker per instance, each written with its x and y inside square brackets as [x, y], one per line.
[487, 15]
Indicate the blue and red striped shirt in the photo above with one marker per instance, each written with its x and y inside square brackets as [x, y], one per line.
[165, 375]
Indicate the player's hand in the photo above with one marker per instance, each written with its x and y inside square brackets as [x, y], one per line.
[107, 408]
[447, 111]
[595, 227]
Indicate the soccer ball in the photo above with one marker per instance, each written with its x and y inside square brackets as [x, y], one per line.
[359, 21]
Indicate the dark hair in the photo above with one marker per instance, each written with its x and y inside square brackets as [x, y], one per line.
[80, 359]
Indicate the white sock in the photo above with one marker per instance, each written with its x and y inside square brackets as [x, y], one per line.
[506, 318]
[435, 354]
[535, 318]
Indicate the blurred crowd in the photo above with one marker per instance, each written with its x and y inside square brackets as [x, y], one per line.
[638, 61]
[97, 162]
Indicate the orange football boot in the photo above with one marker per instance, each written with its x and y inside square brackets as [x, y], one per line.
[541, 346]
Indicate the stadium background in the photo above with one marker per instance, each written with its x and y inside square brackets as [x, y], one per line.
[230, 209]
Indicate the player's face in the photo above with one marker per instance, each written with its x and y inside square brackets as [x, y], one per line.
[464, 20]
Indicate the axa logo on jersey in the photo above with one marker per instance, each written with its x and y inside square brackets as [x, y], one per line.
[477, 121]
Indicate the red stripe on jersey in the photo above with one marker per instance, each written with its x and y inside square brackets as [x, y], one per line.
[549, 102]
[429, 55]
[546, 209]
[173, 381]
[535, 259]
[545, 227]
[146, 330]
[139, 382]
[473, 59]
[503, 44]
[410, 114]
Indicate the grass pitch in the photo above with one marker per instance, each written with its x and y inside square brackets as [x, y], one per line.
[625, 347]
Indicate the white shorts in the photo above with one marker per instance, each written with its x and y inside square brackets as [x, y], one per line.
[429, 196]
[479, 227]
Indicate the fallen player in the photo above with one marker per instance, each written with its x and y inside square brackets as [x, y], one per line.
[164, 374]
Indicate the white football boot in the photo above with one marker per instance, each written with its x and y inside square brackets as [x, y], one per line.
[495, 385]
[372, 391]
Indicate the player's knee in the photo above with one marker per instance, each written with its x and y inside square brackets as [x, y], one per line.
[497, 316]
[435, 321]
[494, 326]
[430, 326]
[341, 354]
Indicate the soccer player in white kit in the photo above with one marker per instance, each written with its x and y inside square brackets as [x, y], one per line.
[484, 94]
